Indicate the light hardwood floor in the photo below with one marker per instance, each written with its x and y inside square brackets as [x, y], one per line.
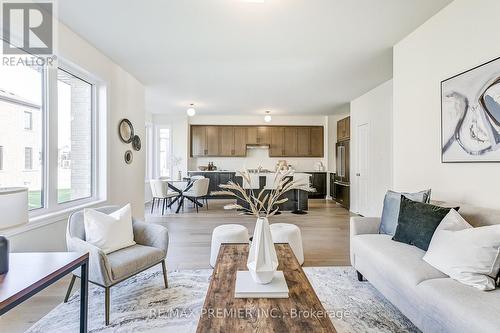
[325, 236]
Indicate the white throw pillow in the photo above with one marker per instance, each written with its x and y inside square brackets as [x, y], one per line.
[109, 232]
[468, 255]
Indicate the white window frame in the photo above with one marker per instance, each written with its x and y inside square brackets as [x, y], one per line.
[150, 138]
[50, 204]
[156, 146]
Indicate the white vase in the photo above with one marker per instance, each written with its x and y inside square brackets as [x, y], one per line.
[262, 259]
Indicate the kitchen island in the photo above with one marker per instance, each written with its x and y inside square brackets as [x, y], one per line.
[217, 177]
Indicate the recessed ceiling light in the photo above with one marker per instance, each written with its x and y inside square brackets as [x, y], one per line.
[267, 117]
[191, 111]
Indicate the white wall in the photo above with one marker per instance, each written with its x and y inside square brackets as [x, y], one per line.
[460, 37]
[125, 99]
[375, 109]
[256, 157]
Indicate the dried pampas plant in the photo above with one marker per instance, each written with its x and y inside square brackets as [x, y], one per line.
[261, 205]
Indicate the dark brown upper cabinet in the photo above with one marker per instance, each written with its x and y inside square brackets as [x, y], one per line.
[232, 141]
[290, 141]
[344, 129]
[240, 142]
[317, 144]
[303, 141]
[277, 147]
[263, 135]
[283, 141]
[205, 141]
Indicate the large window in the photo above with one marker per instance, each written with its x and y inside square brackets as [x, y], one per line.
[21, 93]
[164, 158]
[74, 111]
[57, 168]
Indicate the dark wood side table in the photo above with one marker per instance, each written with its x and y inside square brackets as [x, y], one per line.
[301, 312]
[30, 273]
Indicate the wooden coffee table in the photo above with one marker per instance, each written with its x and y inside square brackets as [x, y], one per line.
[301, 312]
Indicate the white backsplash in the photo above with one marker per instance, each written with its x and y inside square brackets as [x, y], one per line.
[256, 157]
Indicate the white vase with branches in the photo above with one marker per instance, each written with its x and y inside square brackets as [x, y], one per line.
[262, 260]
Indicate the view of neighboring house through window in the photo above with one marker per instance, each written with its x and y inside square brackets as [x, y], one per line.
[28, 158]
[21, 130]
[28, 120]
[164, 158]
[74, 172]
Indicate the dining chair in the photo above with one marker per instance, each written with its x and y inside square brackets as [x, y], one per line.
[160, 191]
[198, 190]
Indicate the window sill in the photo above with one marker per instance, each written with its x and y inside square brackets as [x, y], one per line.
[47, 219]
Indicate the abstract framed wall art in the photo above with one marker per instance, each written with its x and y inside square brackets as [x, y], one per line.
[470, 115]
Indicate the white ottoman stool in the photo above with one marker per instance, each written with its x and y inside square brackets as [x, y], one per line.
[289, 233]
[227, 233]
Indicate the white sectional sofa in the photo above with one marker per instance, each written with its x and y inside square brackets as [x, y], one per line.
[430, 299]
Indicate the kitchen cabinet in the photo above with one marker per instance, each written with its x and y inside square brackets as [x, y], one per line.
[215, 179]
[232, 141]
[344, 129]
[204, 141]
[318, 182]
[198, 141]
[263, 135]
[240, 143]
[303, 141]
[332, 185]
[277, 147]
[212, 140]
[251, 135]
[290, 141]
[342, 194]
[317, 143]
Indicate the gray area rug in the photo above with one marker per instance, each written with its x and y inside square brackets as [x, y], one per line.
[141, 304]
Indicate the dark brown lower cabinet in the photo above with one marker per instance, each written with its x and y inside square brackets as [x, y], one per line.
[318, 181]
[342, 194]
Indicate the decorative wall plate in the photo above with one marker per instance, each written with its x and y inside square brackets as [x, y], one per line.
[136, 143]
[126, 130]
[129, 157]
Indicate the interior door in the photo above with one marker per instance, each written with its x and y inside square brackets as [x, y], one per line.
[362, 168]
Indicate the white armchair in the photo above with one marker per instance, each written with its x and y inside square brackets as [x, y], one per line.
[106, 270]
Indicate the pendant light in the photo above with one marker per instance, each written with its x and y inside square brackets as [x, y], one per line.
[191, 111]
[267, 117]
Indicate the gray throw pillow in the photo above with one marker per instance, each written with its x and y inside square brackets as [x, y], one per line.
[390, 212]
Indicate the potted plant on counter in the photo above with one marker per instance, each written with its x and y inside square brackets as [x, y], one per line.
[262, 260]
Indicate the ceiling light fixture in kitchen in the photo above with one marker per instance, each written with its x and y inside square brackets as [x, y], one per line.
[267, 117]
[191, 111]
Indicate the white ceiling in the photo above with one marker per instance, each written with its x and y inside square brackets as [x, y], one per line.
[235, 57]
